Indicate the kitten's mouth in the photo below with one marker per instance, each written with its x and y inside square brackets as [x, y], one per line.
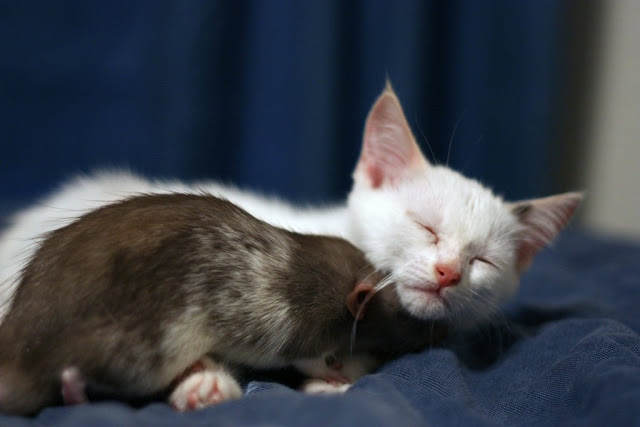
[425, 300]
[432, 292]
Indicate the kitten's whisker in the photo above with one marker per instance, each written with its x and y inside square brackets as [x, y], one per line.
[433, 156]
[453, 134]
[498, 324]
[370, 274]
[477, 306]
[474, 150]
[386, 281]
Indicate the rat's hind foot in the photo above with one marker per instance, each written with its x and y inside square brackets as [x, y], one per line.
[73, 386]
[204, 383]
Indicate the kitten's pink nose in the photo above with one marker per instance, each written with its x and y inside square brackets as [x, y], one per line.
[447, 276]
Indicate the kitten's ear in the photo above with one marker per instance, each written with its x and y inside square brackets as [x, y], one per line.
[389, 150]
[542, 220]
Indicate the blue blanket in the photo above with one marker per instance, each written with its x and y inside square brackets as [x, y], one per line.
[566, 352]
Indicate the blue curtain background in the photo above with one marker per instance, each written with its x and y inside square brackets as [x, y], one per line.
[273, 94]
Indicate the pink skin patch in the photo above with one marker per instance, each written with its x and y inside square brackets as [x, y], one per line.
[73, 387]
[375, 175]
[195, 400]
[447, 275]
[358, 298]
[335, 377]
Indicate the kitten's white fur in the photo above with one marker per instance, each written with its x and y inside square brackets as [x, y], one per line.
[397, 201]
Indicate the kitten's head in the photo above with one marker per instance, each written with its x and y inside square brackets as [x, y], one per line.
[456, 250]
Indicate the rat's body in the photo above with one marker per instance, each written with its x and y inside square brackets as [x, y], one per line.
[130, 295]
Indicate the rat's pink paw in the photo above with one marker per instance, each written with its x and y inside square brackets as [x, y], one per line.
[317, 386]
[73, 387]
[203, 388]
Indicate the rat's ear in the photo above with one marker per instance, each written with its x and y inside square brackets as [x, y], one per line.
[358, 298]
[389, 150]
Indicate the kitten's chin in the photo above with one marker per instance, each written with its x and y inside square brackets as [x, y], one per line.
[422, 303]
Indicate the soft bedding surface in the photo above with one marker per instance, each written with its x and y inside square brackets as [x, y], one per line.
[566, 352]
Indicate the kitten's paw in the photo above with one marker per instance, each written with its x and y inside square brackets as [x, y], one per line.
[317, 386]
[203, 388]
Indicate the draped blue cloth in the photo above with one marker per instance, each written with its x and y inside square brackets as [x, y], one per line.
[272, 94]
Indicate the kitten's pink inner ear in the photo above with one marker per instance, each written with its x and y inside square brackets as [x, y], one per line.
[389, 150]
[542, 219]
[358, 299]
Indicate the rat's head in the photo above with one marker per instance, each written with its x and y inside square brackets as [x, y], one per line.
[454, 248]
[335, 260]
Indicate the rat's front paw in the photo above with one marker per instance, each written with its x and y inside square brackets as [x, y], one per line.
[318, 386]
[204, 387]
[73, 386]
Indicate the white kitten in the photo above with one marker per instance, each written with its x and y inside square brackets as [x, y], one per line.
[457, 249]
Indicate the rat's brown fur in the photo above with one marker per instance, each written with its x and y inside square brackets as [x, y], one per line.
[133, 293]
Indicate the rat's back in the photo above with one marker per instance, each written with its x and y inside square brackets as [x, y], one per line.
[127, 294]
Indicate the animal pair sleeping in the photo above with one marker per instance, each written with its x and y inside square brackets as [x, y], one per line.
[170, 290]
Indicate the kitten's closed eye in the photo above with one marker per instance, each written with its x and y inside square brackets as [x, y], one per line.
[430, 230]
[420, 224]
[482, 260]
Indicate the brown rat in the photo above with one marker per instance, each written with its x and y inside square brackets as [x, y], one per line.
[131, 294]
